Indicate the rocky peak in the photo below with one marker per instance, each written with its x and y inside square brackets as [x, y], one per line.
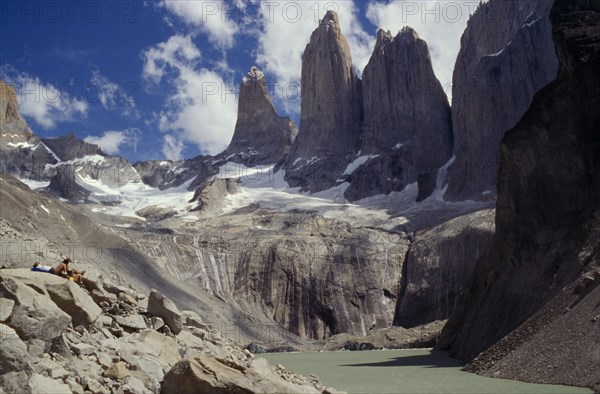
[506, 56]
[12, 126]
[69, 147]
[260, 136]
[331, 110]
[407, 120]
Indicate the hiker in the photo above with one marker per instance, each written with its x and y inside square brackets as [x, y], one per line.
[62, 269]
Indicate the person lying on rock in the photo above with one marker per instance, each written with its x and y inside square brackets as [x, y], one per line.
[62, 269]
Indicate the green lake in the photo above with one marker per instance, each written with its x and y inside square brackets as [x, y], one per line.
[402, 371]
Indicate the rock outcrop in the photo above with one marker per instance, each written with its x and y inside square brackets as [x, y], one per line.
[260, 136]
[113, 355]
[506, 56]
[69, 147]
[211, 195]
[12, 126]
[438, 267]
[331, 112]
[313, 276]
[21, 152]
[548, 210]
[407, 120]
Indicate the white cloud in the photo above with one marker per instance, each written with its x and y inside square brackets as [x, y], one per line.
[212, 17]
[111, 141]
[285, 29]
[173, 147]
[45, 103]
[113, 96]
[202, 108]
[177, 52]
[440, 23]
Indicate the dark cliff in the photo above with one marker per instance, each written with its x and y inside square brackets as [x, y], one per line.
[548, 210]
[506, 56]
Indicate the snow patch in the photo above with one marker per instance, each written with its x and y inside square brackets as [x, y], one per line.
[359, 161]
[45, 209]
[23, 145]
[35, 184]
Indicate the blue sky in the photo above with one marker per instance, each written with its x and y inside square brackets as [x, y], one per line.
[158, 79]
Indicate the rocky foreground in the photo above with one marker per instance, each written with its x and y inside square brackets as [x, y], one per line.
[57, 337]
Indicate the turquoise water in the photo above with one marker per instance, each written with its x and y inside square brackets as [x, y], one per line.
[402, 371]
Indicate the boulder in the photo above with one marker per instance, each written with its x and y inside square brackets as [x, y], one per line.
[74, 301]
[34, 315]
[67, 295]
[136, 322]
[13, 351]
[161, 306]
[6, 308]
[42, 385]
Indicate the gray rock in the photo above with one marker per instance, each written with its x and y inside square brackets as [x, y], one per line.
[73, 300]
[36, 347]
[161, 306]
[13, 351]
[82, 349]
[547, 223]
[42, 385]
[438, 267]
[260, 136]
[331, 111]
[134, 386]
[136, 322]
[117, 371]
[205, 374]
[69, 147]
[407, 120]
[211, 195]
[34, 316]
[506, 56]
[154, 213]
[156, 322]
[50, 368]
[6, 308]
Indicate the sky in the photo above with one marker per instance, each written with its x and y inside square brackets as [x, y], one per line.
[154, 80]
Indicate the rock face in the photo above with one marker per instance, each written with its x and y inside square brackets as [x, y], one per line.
[438, 268]
[21, 152]
[34, 315]
[331, 111]
[548, 210]
[315, 277]
[12, 125]
[211, 195]
[407, 120]
[260, 136]
[506, 56]
[69, 147]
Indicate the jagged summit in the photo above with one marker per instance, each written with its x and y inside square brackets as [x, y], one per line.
[330, 20]
[253, 75]
[261, 136]
[331, 110]
[407, 124]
